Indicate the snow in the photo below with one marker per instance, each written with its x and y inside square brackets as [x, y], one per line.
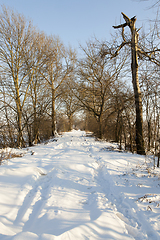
[79, 188]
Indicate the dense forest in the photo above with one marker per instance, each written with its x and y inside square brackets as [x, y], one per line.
[46, 88]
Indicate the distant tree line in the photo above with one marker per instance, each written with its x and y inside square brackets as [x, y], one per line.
[45, 88]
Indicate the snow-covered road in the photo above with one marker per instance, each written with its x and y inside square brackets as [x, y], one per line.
[73, 188]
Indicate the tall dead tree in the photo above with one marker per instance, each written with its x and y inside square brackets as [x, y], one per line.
[135, 81]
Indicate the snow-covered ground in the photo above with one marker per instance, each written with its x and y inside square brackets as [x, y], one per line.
[79, 188]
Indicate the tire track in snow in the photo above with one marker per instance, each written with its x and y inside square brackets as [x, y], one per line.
[35, 199]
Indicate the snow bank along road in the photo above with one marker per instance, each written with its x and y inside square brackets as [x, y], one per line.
[75, 188]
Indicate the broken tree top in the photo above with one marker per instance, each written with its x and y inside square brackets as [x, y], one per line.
[128, 22]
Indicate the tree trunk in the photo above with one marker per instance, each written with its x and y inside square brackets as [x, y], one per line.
[120, 132]
[36, 137]
[117, 129]
[29, 136]
[70, 122]
[100, 131]
[158, 159]
[53, 112]
[20, 141]
[149, 135]
[130, 132]
[19, 123]
[137, 93]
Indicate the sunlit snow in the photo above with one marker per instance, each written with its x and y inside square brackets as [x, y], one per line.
[79, 188]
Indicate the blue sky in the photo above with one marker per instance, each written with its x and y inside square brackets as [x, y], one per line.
[76, 21]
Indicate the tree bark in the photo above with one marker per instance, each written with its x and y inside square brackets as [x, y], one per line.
[137, 91]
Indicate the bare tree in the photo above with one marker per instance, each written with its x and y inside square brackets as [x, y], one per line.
[38, 92]
[95, 78]
[16, 42]
[57, 70]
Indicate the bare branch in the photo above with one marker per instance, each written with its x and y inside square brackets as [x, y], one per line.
[150, 56]
[120, 26]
